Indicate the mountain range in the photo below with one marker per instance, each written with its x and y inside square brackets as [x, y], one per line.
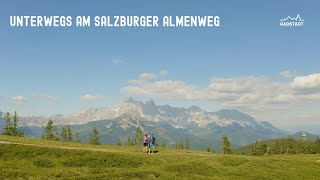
[170, 125]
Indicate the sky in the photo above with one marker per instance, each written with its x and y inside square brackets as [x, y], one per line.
[248, 63]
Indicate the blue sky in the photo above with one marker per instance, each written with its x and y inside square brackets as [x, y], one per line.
[66, 63]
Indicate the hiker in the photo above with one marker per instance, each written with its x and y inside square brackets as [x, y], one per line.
[149, 143]
[152, 142]
[146, 142]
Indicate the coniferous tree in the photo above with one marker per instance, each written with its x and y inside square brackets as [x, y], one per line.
[309, 147]
[77, 138]
[226, 145]
[119, 142]
[130, 143]
[264, 149]
[94, 138]
[14, 124]
[277, 147]
[69, 133]
[50, 131]
[260, 149]
[15, 130]
[7, 124]
[187, 143]
[301, 147]
[208, 149]
[64, 135]
[292, 145]
[254, 149]
[134, 143]
[10, 127]
[288, 146]
[139, 136]
[56, 133]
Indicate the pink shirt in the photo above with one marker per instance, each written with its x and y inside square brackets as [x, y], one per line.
[146, 139]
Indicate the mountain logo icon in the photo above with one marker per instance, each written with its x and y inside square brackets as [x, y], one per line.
[297, 18]
[292, 21]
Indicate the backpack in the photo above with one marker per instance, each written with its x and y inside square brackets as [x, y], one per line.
[153, 140]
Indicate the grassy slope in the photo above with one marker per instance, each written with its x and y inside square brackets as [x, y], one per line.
[59, 160]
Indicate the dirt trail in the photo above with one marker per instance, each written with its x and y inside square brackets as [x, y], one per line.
[60, 147]
[94, 149]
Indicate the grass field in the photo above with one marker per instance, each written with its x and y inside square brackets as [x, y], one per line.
[26, 158]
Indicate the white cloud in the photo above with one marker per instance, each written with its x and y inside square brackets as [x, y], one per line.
[147, 76]
[168, 89]
[19, 99]
[225, 90]
[246, 91]
[144, 77]
[238, 92]
[288, 74]
[237, 84]
[44, 97]
[117, 61]
[309, 82]
[90, 97]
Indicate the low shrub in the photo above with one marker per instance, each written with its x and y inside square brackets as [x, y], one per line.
[43, 163]
[233, 161]
[104, 160]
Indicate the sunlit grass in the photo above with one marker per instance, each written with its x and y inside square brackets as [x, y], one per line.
[50, 159]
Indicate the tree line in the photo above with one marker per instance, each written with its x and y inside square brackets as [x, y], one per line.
[287, 146]
[225, 145]
[10, 127]
[51, 133]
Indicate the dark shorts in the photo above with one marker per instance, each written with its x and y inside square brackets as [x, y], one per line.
[145, 144]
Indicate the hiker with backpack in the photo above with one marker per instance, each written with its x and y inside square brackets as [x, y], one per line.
[152, 143]
[146, 141]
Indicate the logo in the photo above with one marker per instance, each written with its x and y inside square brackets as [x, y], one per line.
[292, 21]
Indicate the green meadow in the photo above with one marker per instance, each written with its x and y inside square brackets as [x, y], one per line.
[27, 158]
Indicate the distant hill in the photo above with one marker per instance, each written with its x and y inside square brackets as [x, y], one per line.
[170, 124]
[247, 149]
[309, 136]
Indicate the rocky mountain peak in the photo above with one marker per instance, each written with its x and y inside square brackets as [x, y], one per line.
[234, 114]
[194, 109]
[131, 100]
[150, 103]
